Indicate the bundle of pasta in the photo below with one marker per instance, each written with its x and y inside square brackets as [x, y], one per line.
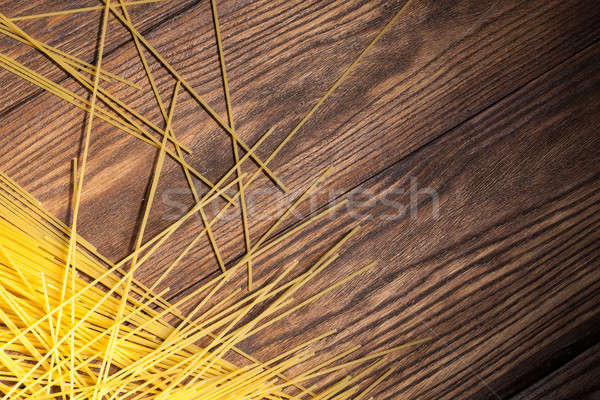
[57, 325]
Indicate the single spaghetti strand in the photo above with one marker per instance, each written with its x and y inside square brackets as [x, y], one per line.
[78, 10]
[51, 325]
[338, 82]
[73, 303]
[374, 384]
[234, 143]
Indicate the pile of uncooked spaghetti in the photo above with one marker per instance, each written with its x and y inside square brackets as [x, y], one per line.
[74, 325]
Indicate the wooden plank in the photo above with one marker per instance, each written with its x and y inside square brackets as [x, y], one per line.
[424, 78]
[578, 379]
[505, 273]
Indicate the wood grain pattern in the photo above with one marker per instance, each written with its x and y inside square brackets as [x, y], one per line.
[491, 105]
[413, 103]
[506, 273]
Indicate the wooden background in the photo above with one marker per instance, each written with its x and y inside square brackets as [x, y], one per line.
[492, 105]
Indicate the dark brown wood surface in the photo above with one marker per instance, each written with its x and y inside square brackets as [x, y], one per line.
[466, 142]
[578, 379]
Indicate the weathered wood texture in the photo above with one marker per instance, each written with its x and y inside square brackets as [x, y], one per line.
[490, 107]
